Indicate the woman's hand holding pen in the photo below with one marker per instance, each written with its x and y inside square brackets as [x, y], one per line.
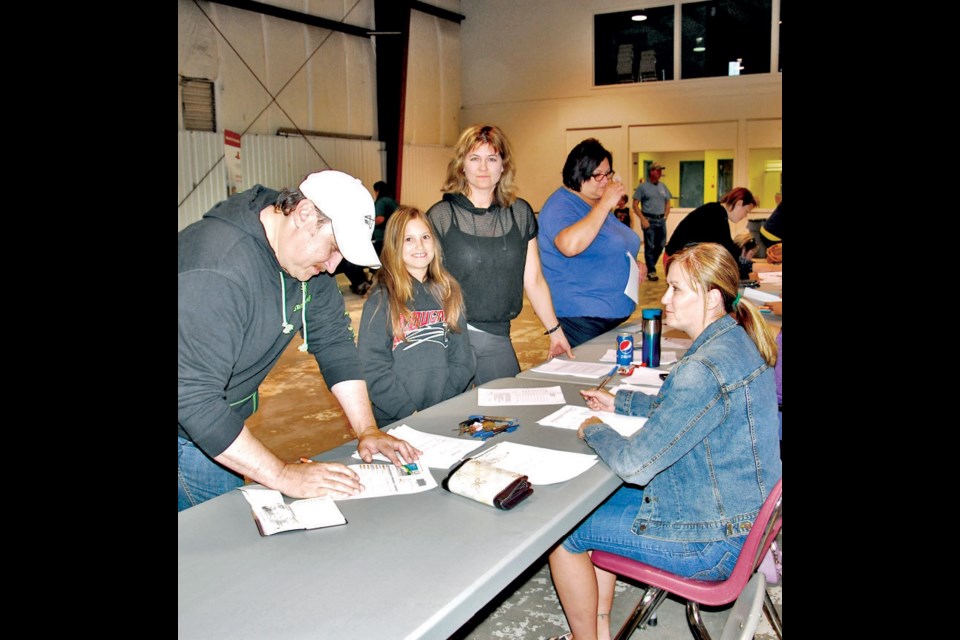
[598, 399]
[309, 479]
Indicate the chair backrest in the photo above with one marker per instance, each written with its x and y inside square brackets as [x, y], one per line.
[765, 529]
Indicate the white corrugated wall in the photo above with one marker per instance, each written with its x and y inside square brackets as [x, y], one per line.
[197, 151]
[273, 161]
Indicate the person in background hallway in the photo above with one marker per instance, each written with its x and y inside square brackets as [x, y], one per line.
[357, 275]
[413, 339]
[622, 212]
[704, 462]
[708, 223]
[771, 235]
[249, 276]
[385, 205]
[489, 239]
[651, 203]
[587, 254]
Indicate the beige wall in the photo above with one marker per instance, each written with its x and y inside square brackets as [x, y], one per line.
[528, 67]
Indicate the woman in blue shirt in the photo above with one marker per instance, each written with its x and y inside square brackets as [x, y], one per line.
[700, 468]
[586, 252]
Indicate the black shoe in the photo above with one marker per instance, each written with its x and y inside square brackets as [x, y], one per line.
[652, 276]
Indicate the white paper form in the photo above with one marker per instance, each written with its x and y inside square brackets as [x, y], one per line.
[510, 397]
[645, 377]
[541, 466]
[388, 480]
[440, 452]
[760, 296]
[578, 369]
[632, 289]
[666, 357]
[571, 417]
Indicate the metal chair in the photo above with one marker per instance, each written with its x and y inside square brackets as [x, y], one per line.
[696, 592]
[745, 615]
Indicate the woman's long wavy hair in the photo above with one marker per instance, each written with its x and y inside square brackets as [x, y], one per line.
[707, 266]
[398, 282]
[472, 137]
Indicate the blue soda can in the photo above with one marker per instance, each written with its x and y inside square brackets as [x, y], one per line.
[625, 349]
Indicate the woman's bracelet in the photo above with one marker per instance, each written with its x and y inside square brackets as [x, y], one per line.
[549, 331]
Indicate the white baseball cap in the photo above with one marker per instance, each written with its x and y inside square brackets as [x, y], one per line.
[345, 200]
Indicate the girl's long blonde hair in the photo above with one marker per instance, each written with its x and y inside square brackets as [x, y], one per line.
[707, 266]
[398, 283]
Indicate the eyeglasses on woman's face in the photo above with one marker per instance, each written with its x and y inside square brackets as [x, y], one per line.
[603, 176]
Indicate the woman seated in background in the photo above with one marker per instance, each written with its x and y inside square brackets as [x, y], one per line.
[708, 223]
[489, 239]
[413, 341]
[701, 467]
[587, 254]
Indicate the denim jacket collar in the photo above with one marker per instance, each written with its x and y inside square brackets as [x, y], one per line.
[716, 328]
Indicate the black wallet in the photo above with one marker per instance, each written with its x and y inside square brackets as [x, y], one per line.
[483, 482]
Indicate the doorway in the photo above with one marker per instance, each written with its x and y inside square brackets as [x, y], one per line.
[691, 184]
[724, 177]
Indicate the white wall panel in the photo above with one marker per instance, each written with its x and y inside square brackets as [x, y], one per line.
[424, 172]
[197, 151]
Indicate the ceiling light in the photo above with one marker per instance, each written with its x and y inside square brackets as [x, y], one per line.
[699, 46]
[640, 16]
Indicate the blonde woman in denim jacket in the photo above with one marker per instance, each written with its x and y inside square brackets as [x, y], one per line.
[701, 467]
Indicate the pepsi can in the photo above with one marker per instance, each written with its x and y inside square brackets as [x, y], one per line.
[625, 349]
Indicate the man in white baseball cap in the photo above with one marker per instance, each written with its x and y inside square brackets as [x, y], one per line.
[249, 276]
[345, 200]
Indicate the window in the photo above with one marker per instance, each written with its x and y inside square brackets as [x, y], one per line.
[196, 99]
[626, 50]
[725, 37]
[717, 38]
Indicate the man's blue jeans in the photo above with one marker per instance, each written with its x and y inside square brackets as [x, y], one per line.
[199, 477]
[654, 240]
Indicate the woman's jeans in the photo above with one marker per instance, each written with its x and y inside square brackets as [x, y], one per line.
[611, 528]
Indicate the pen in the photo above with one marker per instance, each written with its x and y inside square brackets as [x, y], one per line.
[603, 383]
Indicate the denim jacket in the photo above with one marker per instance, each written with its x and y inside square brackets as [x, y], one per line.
[708, 454]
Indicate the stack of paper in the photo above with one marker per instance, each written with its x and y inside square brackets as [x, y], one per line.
[525, 396]
[762, 297]
[666, 357]
[645, 377]
[541, 466]
[571, 417]
[579, 369]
